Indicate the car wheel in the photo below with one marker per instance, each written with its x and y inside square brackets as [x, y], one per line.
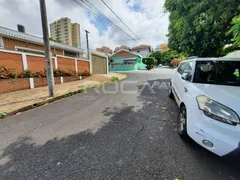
[170, 94]
[182, 122]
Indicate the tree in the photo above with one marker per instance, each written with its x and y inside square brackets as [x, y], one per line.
[121, 47]
[150, 62]
[198, 27]
[104, 49]
[235, 30]
[157, 55]
[175, 62]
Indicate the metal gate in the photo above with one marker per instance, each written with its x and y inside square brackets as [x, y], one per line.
[99, 64]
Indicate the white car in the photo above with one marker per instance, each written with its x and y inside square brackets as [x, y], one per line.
[207, 91]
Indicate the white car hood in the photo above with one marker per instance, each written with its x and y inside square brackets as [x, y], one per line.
[226, 95]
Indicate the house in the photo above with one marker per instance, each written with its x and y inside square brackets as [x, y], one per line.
[124, 60]
[162, 47]
[143, 50]
[23, 42]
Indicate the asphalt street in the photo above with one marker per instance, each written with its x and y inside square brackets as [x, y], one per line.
[124, 130]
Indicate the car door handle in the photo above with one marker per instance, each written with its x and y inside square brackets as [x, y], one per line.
[185, 90]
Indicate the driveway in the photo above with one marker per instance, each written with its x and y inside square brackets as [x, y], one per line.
[125, 130]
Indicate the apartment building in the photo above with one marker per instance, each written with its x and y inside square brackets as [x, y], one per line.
[64, 31]
[76, 35]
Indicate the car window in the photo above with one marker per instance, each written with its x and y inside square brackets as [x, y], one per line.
[217, 72]
[181, 67]
[188, 69]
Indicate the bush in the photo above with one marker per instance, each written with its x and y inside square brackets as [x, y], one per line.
[148, 67]
[26, 74]
[41, 74]
[84, 74]
[175, 62]
[150, 62]
[58, 73]
[6, 73]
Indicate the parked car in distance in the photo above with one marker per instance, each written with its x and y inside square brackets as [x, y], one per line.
[160, 65]
[207, 91]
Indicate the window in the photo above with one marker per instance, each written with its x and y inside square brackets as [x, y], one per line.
[1, 42]
[181, 67]
[188, 69]
[217, 72]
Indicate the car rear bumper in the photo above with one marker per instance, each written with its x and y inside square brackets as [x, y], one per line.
[224, 138]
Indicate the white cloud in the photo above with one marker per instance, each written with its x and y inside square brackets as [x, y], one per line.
[148, 24]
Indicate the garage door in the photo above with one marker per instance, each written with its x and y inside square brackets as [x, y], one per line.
[99, 64]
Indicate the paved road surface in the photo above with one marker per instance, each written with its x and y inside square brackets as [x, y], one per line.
[125, 131]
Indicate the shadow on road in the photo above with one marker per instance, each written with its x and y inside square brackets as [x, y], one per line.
[134, 144]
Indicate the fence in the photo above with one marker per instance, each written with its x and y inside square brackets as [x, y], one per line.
[9, 85]
[21, 61]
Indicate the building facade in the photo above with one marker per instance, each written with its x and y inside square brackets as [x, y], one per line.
[144, 51]
[76, 35]
[162, 47]
[23, 42]
[104, 49]
[124, 60]
[64, 31]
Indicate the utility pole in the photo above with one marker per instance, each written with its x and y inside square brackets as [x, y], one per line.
[87, 32]
[47, 48]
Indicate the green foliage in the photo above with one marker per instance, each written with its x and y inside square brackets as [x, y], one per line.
[26, 74]
[7, 73]
[98, 85]
[235, 30]
[149, 61]
[84, 74]
[199, 28]
[157, 55]
[3, 115]
[59, 73]
[41, 74]
[169, 55]
[83, 89]
[113, 79]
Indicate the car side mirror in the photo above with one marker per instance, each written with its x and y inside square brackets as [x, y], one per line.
[184, 76]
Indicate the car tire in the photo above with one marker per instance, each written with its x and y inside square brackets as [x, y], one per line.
[170, 94]
[182, 122]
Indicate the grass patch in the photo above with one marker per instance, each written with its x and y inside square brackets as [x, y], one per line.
[3, 115]
[83, 89]
[98, 85]
[114, 78]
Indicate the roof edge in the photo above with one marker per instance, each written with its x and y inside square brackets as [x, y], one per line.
[125, 51]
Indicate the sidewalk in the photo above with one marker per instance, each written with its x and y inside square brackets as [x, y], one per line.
[16, 100]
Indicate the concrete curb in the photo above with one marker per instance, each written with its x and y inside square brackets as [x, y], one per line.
[50, 100]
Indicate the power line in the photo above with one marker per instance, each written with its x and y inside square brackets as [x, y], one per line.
[120, 19]
[122, 40]
[93, 13]
[91, 8]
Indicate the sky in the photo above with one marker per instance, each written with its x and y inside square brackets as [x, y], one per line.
[146, 18]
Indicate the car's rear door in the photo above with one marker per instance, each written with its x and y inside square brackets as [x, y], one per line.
[186, 83]
[176, 81]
